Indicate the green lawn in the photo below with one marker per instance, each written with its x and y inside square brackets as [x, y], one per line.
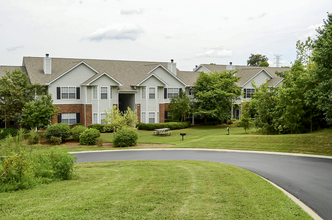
[153, 190]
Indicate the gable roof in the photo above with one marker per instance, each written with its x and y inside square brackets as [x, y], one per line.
[97, 76]
[152, 75]
[160, 66]
[3, 69]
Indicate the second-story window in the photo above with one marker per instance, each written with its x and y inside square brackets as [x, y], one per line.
[94, 92]
[172, 92]
[103, 92]
[152, 93]
[143, 92]
[248, 93]
[68, 92]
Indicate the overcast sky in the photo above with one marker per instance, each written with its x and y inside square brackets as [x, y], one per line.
[188, 31]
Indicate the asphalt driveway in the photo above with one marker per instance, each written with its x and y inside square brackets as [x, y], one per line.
[307, 178]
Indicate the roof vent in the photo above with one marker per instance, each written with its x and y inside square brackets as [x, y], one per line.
[47, 64]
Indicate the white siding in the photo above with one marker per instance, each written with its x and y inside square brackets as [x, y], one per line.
[259, 79]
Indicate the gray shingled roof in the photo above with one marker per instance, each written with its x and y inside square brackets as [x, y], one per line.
[247, 72]
[3, 69]
[126, 72]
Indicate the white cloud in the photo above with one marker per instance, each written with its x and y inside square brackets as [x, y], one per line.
[216, 53]
[10, 49]
[117, 32]
[132, 11]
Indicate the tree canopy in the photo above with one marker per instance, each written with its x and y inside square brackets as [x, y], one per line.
[215, 92]
[15, 91]
[256, 59]
[180, 106]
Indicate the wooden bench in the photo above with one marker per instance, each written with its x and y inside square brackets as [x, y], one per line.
[162, 131]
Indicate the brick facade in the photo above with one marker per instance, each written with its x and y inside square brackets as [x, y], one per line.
[138, 108]
[162, 109]
[85, 111]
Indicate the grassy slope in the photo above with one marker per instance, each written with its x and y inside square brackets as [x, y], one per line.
[153, 190]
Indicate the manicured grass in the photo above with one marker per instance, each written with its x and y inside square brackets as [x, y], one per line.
[153, 190]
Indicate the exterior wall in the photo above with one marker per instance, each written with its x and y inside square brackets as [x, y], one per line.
[162, 109]
[138, 109]
[84, 110]
[259, 80]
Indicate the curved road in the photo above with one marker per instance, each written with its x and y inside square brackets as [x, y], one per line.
[307, 178]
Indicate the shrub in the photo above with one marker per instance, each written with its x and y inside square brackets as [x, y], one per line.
[55, 140]
[77, 124]
[171, 120]
[60, 130]
[99, 141]
[77, 131]
[108, 128]
[99, 127]
[125, 138]
[5, 131]
[170, 125]
[34, 137]
[89, 136]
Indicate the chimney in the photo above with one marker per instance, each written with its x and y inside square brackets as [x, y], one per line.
[230, 66]
[47, 64]
[172, 67]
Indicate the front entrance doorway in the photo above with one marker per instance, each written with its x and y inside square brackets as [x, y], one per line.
[126, 100]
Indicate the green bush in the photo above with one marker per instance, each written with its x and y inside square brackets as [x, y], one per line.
[77, 124]
[170, 125]
[99, 127]
[55, 140]
[99, 141]
[108, 128]
[5, 131]
[34, 137]
[171, 120]
[125, 138]
[60, 130]
[77, 131]
[89, 136]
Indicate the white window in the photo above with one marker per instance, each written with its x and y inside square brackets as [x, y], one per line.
[111, 95]
[102, 116]
[151, 117]
[143, 117]
[94, 118]
[143, 92]
[103, 92]
[94, 92]
[248, 93]
[172, 92]
[152, 93]
[69, 118]
[68, 92]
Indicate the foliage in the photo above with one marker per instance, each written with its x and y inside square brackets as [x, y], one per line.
[89, 136]
[99, 141]
[245, 120]
[215, 93]
[264, 64]
[55, 140]
[77, 124]
[4, 132]
[15, 91]
[255, 59]
[16, 172]
[75, 132]
[322, 57]
[99, 127]
[39, 113]
[171, 120]
[130, 118]
[34, 137]
[60, 130]
[125, 138]
[180, 106]
[170, 125]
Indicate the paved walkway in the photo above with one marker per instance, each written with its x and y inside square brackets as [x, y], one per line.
[309, 178]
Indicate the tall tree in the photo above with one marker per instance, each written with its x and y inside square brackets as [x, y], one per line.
[255, 59]
[15, 91]
[215, 92]
[322, 56]
[180, 106]
[39, 113]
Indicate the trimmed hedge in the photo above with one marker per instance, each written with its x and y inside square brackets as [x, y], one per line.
[5, 131]
[89, 136]
[102, 128]
[60, 130]
[170, 125]
[125, 138]
[77, 131]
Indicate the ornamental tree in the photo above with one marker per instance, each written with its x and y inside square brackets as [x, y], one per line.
[180, 106]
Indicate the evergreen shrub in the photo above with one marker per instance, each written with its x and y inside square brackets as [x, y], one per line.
[170, 125]
[60, 130]
[75, 132]
[5, 131]
[125, 138]
[89, 136]
[99, 127]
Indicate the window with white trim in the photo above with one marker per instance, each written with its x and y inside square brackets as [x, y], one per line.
[143, 117]
[68, 92]
[102, 116]
[103, 92]
[111, 95]
[172, 92]
[151, 117]
[95, 118]
[143, 92]
[69, 118]
[152, 93]
[248, 93]
[94, 92]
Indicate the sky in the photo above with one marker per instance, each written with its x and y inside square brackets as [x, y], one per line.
[190, 32]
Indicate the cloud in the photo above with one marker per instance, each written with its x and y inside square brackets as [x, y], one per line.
[10, 49]
[262, 15]
[259, 16]
[132, 11]
[224, 18]
[216, 53]
[117, 32]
